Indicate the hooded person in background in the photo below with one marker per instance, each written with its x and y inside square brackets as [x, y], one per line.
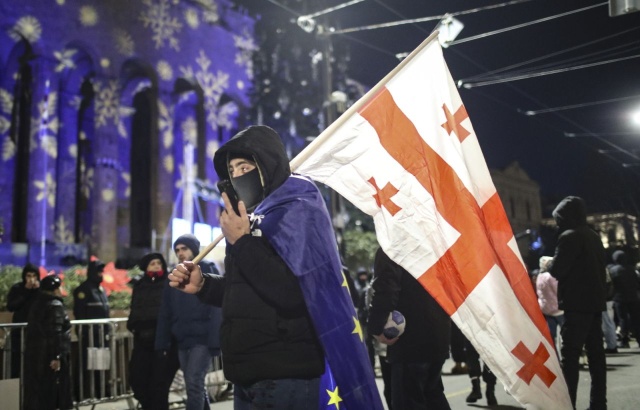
[151, 374]
[284, 299]
[625, 297]
[194, 326]
[47, 382]
[21, 296]
[90, 302]
[579, 265]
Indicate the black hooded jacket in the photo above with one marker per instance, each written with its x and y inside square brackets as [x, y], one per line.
[579, 261]
[428, 327]
[266, 329]
[146, 299]
[625, 281]
[21, 298]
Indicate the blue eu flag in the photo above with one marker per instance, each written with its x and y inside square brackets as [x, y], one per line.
[298, 226]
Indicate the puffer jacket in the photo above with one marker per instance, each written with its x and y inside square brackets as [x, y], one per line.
[266, 329]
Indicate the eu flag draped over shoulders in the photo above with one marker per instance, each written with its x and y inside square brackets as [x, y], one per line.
[295, 220]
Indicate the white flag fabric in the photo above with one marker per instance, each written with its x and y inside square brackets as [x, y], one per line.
[407, 155]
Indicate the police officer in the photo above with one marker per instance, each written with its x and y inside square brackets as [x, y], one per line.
[90, 302]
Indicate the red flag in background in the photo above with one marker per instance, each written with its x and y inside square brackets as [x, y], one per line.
[407, 155]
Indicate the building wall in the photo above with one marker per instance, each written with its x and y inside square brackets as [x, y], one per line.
[108, 79]
[520, 197]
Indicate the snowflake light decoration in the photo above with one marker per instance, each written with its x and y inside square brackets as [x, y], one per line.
[162, 24]
[65, 59]
[88, 16]
[124, 42]
[43, 132]
[8, 149]
[167, 162]
[246, 46]
[6, 106]
[28, 27]
[190, 131]
[210, 12]
[107, 194]
[213, 86]
[212, 147]
[106, 102]
[165, 124]
[46, 190]
[192, 19]
[126, 178]
[124, 112]
[62, 232]
[165, 72]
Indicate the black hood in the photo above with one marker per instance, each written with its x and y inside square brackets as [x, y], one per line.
[30, 268]
[264, 146]
[570, 213]
[146, 259]
[619, 257]
[95, 270]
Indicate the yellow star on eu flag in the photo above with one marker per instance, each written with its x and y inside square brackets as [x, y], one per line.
[334, 398]
[358, 329]
[344, 282]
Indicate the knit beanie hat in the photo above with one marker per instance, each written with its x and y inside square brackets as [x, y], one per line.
[190, 241]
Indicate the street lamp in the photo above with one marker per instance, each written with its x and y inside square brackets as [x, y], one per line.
[635, 117]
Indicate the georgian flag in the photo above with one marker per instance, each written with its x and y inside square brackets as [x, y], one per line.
[407, 155]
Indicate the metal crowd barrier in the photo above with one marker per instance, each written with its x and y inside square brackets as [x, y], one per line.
[100, 354]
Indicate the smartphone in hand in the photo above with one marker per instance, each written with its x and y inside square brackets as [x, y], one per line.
[225, 186]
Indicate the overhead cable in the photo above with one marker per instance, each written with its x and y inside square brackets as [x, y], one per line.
[542, 20]
[544, 57]
[543, 73]
[425, 19]
[573, 106]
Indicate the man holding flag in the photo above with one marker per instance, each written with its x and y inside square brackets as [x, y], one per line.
[406, 154]
[288, 318]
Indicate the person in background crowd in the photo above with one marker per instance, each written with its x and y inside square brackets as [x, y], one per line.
[380, 350]
[547, 291]
[625, 298]
[417, 355]
[475, 371]
[47, 380]
[90, 302]
[362, 307]
[458, 354]
[194, 325]
[608, 324]
[579, 266]
[21, 296]
[150, 374]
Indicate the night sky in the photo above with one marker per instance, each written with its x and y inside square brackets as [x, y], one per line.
[605, 170]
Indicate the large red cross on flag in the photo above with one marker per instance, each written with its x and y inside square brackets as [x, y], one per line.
[406, 154]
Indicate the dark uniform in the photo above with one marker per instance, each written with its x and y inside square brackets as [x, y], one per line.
[48, 339]
[90, 302]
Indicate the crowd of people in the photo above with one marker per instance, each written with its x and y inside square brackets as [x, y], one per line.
[258, 318]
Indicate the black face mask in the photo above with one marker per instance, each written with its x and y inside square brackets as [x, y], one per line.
[249, 189]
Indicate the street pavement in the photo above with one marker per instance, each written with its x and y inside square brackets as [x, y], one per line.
[623, 391]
